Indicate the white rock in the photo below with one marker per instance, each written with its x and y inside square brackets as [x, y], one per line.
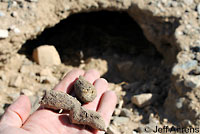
[141, 100]
[46, 72]
[3, 33]
[113, 130]
[15, 29]
[15, 81]
[198, 8]
[120, 120]
[192, 81]
[2, 14]
[27, 92]
[46, 55]
[188, 2]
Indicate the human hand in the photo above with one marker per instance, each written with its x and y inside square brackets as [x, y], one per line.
[17, 118]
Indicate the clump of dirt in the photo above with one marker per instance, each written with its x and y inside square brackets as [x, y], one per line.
[59, 100]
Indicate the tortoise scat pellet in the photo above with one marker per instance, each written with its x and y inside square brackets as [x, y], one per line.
[78, 115]
[84, 90]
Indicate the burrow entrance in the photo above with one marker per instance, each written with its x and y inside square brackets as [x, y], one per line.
[116, 38]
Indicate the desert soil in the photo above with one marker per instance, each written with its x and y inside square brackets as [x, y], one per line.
[149, 51]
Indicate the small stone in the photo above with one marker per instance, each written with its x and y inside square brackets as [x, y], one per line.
[127, 113]
[179, 68]
[24, 69]
[2, 14]
[120, 120]
[113, 130]
[3, 33]
[14, 29]
[117, 111]
[26, 92]
[15, 81]
[198, 8]
[46, 72]
[188, 2]
[14, 96]
[46, 55]
[142, 100]
[192, 81]
[14, 14]
[179, 103]
[48, 80]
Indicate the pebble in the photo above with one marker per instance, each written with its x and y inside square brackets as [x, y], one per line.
[15, 81]
[126, 113]
[46, 72]
[14, 96]
[14, 14]
[198, 8]
[48, 80]
[117, 111]
[2, 14]
[46, 55]
[188, 2]
[192, 81]
[120, 120]
[142, 100]
[179, 102]
[14, 29]
[27, 92]
[113, 130]
[3, 33]
[178, 68]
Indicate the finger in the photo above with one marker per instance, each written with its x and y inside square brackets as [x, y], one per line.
[101, 86]
[107, 105]
[17, 113]
[91, 75]
[66, 84]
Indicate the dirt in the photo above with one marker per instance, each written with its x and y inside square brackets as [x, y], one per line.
[138, 46]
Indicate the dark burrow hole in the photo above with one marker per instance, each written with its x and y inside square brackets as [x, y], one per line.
[116, 38]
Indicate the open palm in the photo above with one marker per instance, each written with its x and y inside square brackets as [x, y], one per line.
[17, 118]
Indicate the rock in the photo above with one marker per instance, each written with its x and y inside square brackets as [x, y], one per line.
[27, 92]
[184, 67]
[142, 100]
[188, 2]
[15, 81]
[120, 120]
[14, 96]
[3, 33]
[46, 72]
[117, 111]
[179, 102]
[14, 29]
[14, 14]
[198, 8]
[192, 81]
[46, 55]
[98, 64]
[23, 69]
[113, 130]
[2, 14]
[48, 80]
[126, 113]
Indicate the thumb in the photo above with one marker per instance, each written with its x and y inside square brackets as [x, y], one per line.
[17, 113]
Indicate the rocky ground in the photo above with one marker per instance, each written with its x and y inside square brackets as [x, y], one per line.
[149, 51]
